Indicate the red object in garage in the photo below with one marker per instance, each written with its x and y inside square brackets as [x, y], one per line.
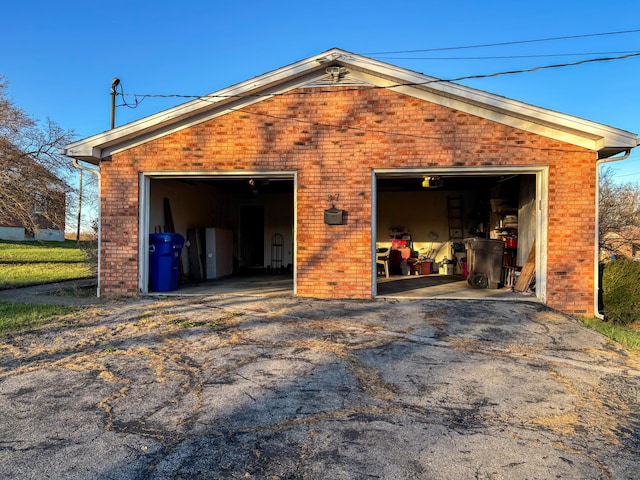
[464, 267]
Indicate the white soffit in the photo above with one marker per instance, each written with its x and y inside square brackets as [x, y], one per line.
[548, 123]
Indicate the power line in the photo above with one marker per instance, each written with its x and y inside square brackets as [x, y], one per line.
[550, 39]
[136, 98]
[328, 125]
[501, 57]
[379, 131]
[211, 97]
[140, 97]
[633, 174]
[544, 67]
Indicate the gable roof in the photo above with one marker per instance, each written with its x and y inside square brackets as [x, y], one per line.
[345, 68]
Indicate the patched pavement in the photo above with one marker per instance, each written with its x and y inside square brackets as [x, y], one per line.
[291, 388]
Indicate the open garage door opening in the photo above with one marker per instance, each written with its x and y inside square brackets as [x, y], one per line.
[459, 235]
[238, 231]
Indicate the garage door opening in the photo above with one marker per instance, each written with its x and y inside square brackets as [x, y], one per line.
[459, 235]
[239, 231]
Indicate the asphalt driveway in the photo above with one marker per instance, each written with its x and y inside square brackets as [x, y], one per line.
[290, 388]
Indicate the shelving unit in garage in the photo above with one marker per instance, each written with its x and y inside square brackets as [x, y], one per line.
[506, 229]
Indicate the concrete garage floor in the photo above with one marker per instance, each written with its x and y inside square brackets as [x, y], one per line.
[397, 286]
[289, 388]
[257, 284]
[452, 287]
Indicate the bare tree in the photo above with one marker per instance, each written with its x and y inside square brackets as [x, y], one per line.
[32, 193]
[82, 204]
[619, 214]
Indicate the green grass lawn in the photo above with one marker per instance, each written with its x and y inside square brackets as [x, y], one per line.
[629, 339]
[30, 263]
[17, 316]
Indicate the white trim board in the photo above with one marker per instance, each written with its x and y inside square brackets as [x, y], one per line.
[144, 193]
[307, 72]
[542, 188]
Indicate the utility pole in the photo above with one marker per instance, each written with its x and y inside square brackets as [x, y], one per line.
[79, 207]
[114, 84]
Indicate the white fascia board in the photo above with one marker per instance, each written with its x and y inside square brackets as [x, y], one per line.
[166, 122]
[493, 114]
[95, 147]
[178, 124]
[520, 115]
[545, 122]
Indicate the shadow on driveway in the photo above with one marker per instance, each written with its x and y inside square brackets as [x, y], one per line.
[293, 388]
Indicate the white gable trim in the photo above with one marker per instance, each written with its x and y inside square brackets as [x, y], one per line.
[548, 123]
[182, 116]
[489, 100]
[199, 117]
[495, 114]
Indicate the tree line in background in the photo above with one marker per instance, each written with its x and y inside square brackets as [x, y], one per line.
[619, 218]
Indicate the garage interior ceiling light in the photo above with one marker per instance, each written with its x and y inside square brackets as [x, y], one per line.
[432, 182]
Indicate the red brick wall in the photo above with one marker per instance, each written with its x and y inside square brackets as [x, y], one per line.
[571, 233]
[334, 141]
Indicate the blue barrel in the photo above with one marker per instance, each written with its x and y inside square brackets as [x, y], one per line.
[164, 260]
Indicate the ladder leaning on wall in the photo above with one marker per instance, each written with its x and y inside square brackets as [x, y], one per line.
[455, 212]
[277, 247]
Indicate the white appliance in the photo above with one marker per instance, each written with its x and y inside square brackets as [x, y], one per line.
[218, 252]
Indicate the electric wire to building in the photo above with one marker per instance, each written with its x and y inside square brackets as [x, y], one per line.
[215, 98]
[509, 57]
[500, 44]
[139, 97]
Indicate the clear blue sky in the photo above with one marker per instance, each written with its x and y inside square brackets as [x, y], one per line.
[59, 57]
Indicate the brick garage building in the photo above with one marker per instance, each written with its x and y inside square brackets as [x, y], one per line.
[267, 157]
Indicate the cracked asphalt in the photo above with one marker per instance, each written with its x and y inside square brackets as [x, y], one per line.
[293, 388]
